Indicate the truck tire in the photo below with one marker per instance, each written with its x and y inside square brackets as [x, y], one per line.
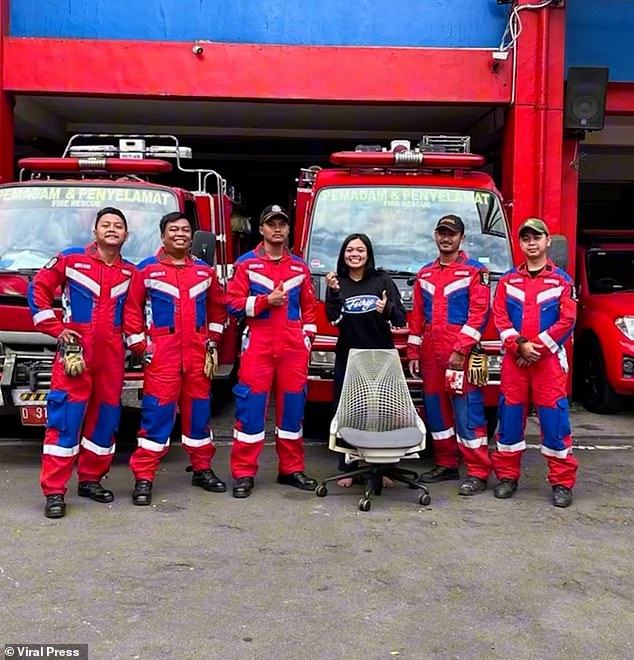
[594, 391]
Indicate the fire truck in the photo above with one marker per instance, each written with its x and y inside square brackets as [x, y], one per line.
[396, 196]
[53, 205]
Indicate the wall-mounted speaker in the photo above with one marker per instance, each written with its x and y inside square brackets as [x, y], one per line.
[586, 92]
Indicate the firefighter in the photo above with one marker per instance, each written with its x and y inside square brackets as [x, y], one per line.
[273, 289]
[534, 310]
[451, 305]
[174, 318]
[88, 368]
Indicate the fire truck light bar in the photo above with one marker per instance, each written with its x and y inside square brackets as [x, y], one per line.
[407, 159]
[129, 149]
[96, 164]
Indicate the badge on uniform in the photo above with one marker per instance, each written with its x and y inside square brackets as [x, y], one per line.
[51, 263]
[485, 278]
[573, 293]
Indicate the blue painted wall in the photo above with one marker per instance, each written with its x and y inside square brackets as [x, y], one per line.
[601, 33]
[431, 23]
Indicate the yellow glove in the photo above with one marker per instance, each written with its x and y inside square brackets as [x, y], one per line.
[73, 357]
[477, 368]
[211, 361]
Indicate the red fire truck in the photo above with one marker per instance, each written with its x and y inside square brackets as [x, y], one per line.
[396, 196]
[52, 206]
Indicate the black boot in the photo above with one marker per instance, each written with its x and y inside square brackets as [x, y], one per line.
[562, 496]
[95, 491]
[298, 480]
[472, 486]
[505, 489]
[439, 473]
[208, 480]
[142, 493]
[55, 506]
[243, 486]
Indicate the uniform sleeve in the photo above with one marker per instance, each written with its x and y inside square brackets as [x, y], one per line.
[396, 312]
[40, 296]
[559, 332]
[308, 302]
[216, 309]
[479, 311]
[416, 322]
[502, 320]
[133, 314]
[239, 302]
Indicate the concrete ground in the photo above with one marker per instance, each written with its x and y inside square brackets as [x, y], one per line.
[287, 575]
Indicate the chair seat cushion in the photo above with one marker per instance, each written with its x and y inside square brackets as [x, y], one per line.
[397, 439]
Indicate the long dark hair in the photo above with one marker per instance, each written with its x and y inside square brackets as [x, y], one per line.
[369, 268]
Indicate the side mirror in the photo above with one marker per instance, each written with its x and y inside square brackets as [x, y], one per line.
[204, 246]
[558, 251]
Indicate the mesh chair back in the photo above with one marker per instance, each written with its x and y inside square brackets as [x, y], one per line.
[375, 396]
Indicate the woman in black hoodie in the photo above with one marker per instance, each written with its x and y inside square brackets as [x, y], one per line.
[364, 303]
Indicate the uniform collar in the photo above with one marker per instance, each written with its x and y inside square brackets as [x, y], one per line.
[460, 259]
[548, 269]
[162, 256]
[261, 253]
[92, 251]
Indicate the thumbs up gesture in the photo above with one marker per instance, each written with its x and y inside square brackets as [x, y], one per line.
[277, 297]
[382, 303]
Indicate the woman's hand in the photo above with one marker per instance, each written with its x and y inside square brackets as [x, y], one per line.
[381, 303]
[332, 282]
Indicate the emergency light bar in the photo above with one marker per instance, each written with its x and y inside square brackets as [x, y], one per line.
[454, 144]
[129, 149]
[407, 159]
[95, 164]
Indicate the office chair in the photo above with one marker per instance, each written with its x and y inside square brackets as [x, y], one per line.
[376, 422]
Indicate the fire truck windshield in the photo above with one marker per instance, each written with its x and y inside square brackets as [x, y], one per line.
[400, 222]
[39, 220]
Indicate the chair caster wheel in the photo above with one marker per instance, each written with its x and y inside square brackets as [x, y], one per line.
[424, 499]
[365, 504]
[321, 491]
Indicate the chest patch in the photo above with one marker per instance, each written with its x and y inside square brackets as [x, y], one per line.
[158, 273]
[360, 304]
[82, 266]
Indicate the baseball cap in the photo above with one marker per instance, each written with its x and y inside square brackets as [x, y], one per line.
[273, 211]
[451, 222]
[533, 224]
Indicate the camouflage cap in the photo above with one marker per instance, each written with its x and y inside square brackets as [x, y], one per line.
[535, 225]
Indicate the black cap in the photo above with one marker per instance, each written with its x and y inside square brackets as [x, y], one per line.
[273, 211]
[451, 222]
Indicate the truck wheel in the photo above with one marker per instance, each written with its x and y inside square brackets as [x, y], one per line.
[595, 392]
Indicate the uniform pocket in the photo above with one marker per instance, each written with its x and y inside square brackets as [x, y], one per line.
[563, 418]
[57, 410]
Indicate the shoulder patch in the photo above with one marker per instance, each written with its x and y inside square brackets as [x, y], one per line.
[51, 263]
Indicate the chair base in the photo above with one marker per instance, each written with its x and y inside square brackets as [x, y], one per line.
[374, 483]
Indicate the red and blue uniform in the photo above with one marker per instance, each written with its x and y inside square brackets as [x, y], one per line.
[451, 309]
[275, 351]
[171, 312]
[540, 309]
[93, 296]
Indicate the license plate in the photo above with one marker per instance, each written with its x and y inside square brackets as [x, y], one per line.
[33, 415]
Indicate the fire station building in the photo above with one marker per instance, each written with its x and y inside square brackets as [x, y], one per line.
[259, 90]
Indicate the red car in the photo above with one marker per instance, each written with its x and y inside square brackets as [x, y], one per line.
[604, 335]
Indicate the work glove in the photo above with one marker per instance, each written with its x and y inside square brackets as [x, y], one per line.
[211, 360]
[477, 367]
[73, 358]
